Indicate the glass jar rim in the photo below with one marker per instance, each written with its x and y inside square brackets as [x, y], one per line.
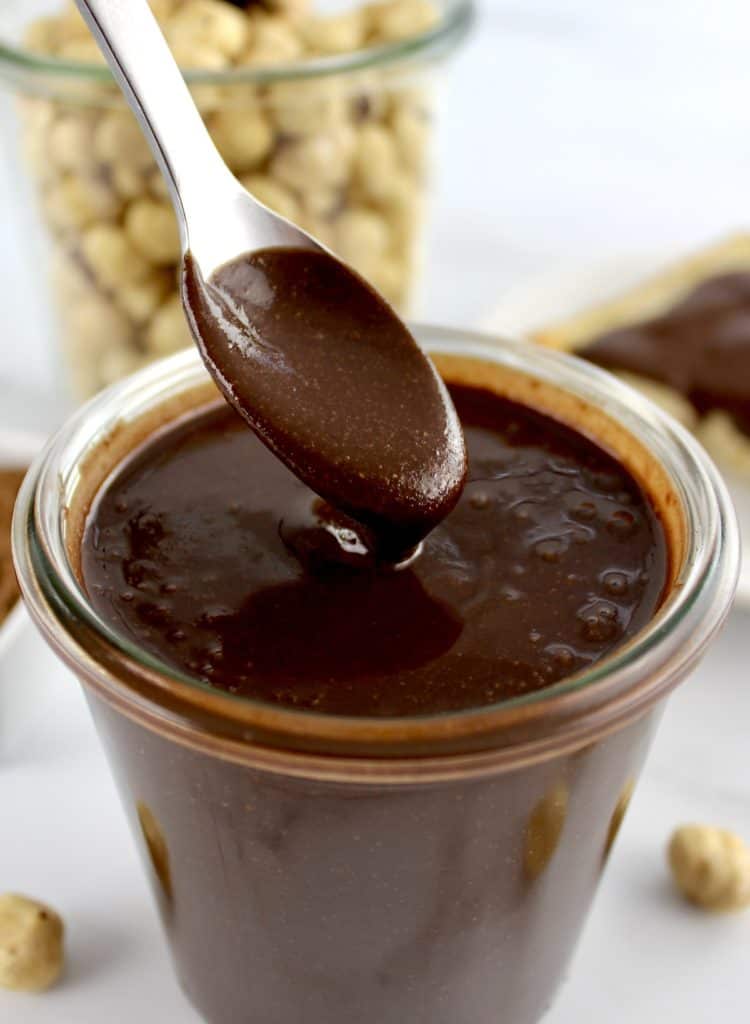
[17, 63]
[573, 711]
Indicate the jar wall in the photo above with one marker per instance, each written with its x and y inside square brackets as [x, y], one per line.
[288, 899]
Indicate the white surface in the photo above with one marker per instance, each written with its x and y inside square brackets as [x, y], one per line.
[573, 129]
[558, 294]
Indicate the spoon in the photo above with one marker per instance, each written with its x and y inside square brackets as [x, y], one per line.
[314, 359]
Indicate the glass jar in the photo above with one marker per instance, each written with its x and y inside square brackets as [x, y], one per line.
[338, 143]
[433, 869]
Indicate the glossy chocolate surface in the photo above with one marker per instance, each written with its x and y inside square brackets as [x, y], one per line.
[205, 550]
[332, 381]
[700, 347]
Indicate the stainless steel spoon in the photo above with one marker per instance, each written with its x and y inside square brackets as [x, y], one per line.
[312, 357]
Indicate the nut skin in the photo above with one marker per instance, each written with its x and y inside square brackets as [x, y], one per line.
[31, 944]
[343, 156]
[710, 867]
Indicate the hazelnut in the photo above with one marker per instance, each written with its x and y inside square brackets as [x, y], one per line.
[711, 867]
[111, 257]
[31, 944]
[210, 23]
[151, 227]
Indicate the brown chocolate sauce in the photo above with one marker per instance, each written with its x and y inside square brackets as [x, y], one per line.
[700, 347]
[207, 551]
[335, 385]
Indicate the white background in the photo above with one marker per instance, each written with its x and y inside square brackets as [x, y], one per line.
[571, 131]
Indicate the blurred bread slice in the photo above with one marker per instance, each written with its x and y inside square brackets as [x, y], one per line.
[728, 445]
[651, 298]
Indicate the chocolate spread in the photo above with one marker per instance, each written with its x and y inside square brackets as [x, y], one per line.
[207, 551]
[700, 347]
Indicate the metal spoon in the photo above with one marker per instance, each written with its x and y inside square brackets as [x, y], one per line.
[308, 353]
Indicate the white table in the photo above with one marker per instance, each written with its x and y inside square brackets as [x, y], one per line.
[572, 129]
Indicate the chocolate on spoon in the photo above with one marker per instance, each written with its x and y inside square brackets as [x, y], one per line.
[310, 355]
[333, 382]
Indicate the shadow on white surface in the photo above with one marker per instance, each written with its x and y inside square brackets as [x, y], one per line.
[96, 949]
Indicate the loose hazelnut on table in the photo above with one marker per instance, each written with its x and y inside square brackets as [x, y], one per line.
[31, 944]
[711, 867]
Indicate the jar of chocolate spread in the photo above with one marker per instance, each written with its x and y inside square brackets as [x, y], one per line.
[366, 793]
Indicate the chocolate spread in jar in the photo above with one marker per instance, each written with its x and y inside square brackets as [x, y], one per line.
[700, 347]
[208, 552]
[332, 381]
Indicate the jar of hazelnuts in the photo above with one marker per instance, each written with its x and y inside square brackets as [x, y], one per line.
[325, 117]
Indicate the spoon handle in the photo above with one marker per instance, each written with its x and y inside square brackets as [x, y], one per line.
[143, 65]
